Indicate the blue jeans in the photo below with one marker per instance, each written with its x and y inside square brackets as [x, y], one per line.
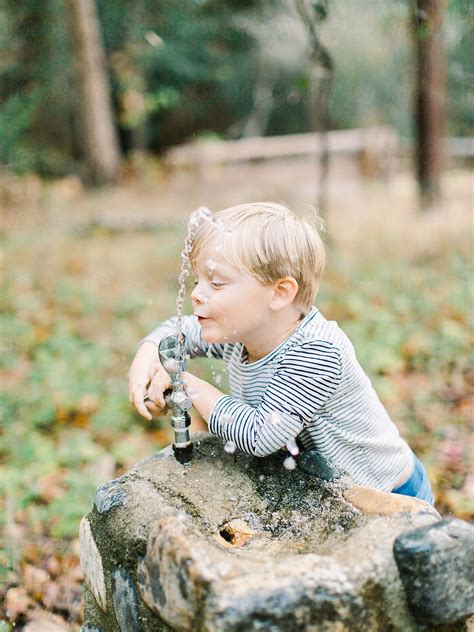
[417, 485]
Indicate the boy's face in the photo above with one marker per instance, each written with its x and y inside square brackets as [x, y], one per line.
[231, 305]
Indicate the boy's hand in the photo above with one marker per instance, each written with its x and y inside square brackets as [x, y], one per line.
[203, 395]
[137, 390]
[140, 377]
[160, 381]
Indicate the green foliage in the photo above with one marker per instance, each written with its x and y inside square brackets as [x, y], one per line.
[36, 101]
[373, 75]
[398, 322]
[68, 414]
[460, 67]
[180, 68]
[66, 511]
[16, 116]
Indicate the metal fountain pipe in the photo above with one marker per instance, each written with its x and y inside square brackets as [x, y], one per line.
[172, 355]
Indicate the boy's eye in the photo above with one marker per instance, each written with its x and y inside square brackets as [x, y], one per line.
[214, 284]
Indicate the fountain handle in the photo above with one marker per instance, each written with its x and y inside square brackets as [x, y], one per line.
[173, 359]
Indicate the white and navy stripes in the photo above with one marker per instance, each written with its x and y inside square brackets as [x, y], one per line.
[310, 386]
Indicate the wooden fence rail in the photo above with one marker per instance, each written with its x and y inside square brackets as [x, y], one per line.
[377, 140]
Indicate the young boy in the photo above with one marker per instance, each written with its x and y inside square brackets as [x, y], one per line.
[292, 373]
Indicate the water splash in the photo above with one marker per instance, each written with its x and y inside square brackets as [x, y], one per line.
[289, 463]
[225, 420]
[230, 447]
[211, 265]
[274, 418]
[197, 216]
[171, 365]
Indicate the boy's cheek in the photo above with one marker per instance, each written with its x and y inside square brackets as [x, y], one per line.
[208, 335]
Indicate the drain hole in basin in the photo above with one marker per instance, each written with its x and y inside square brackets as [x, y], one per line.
[236, 532]
[227, 534]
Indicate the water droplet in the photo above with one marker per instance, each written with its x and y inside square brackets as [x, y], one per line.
[218, 379]
[230, 447]
[274, 418]
[289, 463]
[171, 366]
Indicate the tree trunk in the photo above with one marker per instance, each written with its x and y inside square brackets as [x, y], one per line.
[321, 75]
[100, 136]
[427, 19]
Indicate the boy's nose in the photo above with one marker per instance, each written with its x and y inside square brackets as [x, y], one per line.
[196, 296]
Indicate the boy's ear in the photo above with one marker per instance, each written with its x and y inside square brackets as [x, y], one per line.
[284, 292]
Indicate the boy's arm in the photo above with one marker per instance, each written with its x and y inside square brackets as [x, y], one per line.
[203, 395]
[305, 379]
[140, 374]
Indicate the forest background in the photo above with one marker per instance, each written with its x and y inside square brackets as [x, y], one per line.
[90, 270]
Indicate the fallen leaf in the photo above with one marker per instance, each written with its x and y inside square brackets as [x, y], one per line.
[41, 621]
[53, 566]
[17, 603]
[35, 580]
[64, 597]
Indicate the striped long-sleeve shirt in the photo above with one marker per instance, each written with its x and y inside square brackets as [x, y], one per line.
[312, 387]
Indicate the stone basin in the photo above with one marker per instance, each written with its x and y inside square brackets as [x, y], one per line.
[237, 543]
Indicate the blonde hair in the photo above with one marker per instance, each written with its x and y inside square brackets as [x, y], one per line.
[269, 242]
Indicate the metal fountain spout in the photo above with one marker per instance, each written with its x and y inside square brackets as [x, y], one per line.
[172, 355]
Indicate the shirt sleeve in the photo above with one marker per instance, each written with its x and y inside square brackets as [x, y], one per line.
[305, 379]
[195, 346]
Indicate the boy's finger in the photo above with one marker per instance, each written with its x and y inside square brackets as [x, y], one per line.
[155, 395]
[157, 387]
[153, 408]
[154, 369]
[138, 400]
[161, 381]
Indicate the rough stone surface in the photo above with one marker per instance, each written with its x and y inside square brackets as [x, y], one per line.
[436, 565]
[91, 564]
[110, 495]
[125, 602]
[236, 543]
[312, 462]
